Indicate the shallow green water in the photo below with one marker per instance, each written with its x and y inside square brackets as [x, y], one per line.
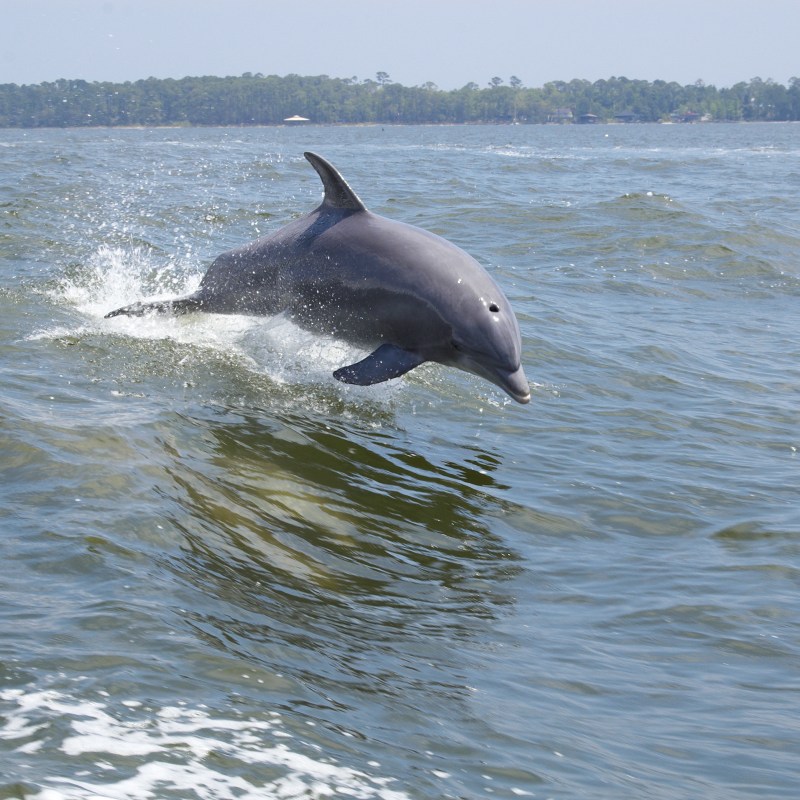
[227, 575]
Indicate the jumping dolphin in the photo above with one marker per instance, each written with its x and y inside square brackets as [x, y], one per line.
[377, 283]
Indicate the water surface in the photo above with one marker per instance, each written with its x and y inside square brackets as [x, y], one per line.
[227, 575]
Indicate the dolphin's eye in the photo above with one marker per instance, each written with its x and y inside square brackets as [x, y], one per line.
[456, 345]
[494, 307]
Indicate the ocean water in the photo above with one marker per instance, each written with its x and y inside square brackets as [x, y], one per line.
[225, 575]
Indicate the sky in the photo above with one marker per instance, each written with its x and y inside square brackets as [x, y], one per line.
[447, 42]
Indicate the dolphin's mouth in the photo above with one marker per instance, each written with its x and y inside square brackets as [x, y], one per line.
[515, 384]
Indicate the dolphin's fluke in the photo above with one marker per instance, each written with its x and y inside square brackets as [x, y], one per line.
[181, 305]
[388, 361]
[337, 193]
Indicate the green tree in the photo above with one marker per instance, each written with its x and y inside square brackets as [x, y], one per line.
[254, 98]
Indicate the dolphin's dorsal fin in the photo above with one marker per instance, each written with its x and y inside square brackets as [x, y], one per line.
[337, 193]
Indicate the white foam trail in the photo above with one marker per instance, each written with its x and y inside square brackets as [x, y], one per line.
[176, 748]
[115, 277]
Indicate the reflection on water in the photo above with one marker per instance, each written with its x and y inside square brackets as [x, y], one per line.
[369, 583]
[274, 513]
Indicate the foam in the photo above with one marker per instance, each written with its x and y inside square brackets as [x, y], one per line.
[172, 749]
[114, 277]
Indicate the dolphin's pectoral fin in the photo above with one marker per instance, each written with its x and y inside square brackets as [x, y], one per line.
[388, 361]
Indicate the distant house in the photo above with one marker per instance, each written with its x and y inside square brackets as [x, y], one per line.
[626, 116]
[560, 116]
[685, 116]
[588, 119]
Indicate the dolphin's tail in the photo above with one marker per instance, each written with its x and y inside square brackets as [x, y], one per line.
[181, 305]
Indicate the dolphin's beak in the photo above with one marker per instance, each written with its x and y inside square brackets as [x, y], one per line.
[513, 383]
[516, 384]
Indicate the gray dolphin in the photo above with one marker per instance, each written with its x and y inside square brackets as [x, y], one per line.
[344, 271]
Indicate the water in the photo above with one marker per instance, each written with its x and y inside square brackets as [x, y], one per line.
[226, 575]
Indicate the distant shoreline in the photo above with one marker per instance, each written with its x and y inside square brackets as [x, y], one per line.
[607, 123]
[259, 100]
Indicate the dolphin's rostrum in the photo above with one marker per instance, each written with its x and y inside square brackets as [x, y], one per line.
[343, 271]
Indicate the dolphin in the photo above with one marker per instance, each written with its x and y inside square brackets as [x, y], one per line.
[404, 293]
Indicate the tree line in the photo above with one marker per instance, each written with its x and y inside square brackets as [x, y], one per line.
[255, 99]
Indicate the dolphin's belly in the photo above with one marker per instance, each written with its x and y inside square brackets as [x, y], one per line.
[367, 316]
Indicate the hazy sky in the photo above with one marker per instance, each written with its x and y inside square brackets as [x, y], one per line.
[448, 42]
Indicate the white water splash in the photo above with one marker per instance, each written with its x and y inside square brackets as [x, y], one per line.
[130, 753]
[114, 277]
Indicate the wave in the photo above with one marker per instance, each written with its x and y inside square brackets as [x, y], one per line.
[180, 748]
[654, 235]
